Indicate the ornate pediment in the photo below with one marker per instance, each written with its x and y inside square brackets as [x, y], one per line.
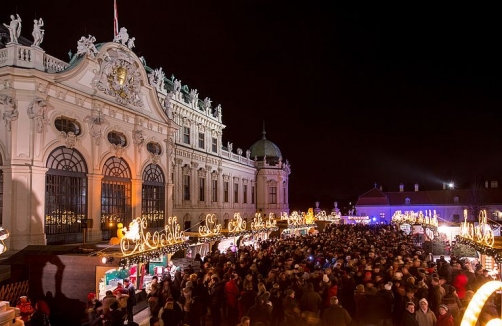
[119, 76]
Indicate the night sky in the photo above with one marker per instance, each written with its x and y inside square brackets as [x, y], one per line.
[353, 93]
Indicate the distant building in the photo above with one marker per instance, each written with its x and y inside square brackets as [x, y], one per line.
[449, 204]
[104, 139]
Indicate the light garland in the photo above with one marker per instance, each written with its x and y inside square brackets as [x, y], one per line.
[477, 302]
[210, 228]
[481, 233]
[237, 225]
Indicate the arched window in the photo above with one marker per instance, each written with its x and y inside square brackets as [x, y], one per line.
[115, 196]
[67, 125]
[66, 196]
[153, 196]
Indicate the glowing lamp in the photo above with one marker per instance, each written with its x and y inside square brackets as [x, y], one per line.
[477, 302]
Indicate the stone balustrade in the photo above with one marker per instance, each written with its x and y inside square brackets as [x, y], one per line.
[30, 57]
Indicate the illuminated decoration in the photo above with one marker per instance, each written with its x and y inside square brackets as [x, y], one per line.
[139, 246]
[481, 233]
[297, 221]
[309, 217]
[429, 220]
[63, 217]
[4, 234]
[333, 217]
[271, 222]
[258, 225]
[359, 219]
[480, 237]
[237, 225]
[210, 231]
[477, 302]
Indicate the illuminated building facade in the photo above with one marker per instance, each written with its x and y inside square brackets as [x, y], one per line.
[105, 139]
[448, 204]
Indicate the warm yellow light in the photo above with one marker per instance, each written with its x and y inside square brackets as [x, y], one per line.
[494, 322]
[103, 260]
[477, 302]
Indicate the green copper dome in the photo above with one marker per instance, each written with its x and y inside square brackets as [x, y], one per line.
[265, 148]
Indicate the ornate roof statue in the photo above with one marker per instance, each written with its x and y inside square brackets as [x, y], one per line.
[86, 46]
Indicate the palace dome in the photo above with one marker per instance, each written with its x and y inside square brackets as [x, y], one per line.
[264, 148]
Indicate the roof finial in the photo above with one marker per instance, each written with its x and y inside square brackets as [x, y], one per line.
[264, 132]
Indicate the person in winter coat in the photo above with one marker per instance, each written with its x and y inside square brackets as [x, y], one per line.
[216, 297]
[444, 318]
[259, 313]
[409, 317]
[246, 299]
[40, 316]
[335, 315]
[425, 316]
[172, 315]
[232, 294]
[291, 309]
[25, 308]
[453, 304]
[311, 301]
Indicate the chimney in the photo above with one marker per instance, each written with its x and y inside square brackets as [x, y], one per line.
[416, 186]
[401, 187]
[444, 185]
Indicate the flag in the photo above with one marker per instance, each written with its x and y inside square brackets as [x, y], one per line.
[115, 19]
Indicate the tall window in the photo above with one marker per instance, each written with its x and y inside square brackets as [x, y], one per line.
[272, 194]
[153, 201]
[202, 140]
[252, 194]
[116, 196]
[236, 192]
[202, 187]
[186, 187]
[225, 191]
[214, 191]
[186, 135]
[66, 195]
[214, 145]
[245, 194]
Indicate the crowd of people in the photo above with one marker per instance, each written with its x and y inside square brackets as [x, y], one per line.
[344, 275]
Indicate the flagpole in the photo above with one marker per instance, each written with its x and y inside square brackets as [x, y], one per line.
[115, 19]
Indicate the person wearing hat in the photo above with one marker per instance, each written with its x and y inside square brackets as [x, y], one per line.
[335, 314]
[425, 316]
[453, 304]
[25, 308]
[172, 315]
[292, 312]
[445, 318]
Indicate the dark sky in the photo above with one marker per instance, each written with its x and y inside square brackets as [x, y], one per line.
[353, 93]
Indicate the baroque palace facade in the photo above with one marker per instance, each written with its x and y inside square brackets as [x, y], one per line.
[104, 139]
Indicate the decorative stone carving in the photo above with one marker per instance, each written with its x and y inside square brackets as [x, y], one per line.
[117, 150]
[217, 112]
[177, 86]
[138, 137]
[130, 43]
[37, 111]
[38, 32]
[194, 96]
[14, 28]
[239, 151]
[96, 123]
[230, 146]
[207, 105]
[156, 79]
[122, 37]
[248, 154]
[69, 139]
[154, 158]
[10, 110]
[86, 46]
[119, 77]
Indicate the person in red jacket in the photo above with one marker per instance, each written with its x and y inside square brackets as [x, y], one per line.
[25, 308]
[232, 293]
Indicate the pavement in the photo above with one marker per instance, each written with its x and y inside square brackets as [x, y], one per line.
[142, 317]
